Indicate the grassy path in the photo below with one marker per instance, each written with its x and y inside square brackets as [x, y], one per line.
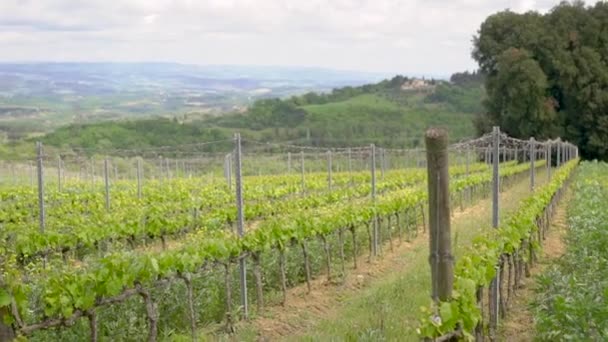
[519, 324]
[380, 300]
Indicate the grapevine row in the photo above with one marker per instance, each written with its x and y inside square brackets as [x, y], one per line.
[69, 295]
[176, 213]
[515, 242]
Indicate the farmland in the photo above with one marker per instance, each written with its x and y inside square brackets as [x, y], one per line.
[128, 247]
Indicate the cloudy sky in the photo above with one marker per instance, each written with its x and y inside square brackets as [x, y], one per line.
[407, 36]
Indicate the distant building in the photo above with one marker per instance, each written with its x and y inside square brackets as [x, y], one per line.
[417, 84]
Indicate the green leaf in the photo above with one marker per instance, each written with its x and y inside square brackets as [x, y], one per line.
[5, 298]
[445, 310]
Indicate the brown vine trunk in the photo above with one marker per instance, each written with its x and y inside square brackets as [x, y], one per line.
[408, 226]
[190, 299]
[283, 277]
[327, 257]
[257, 274]
[399, 234]
[479, 326]
[341, 243]
[151, 313]
[306, 265]
[353, 233]
[163, 239]
[502, 304]
[390, 233]
[509, 278]
[379, 241]
[526, 266]
[228, 286]
[371, 241]
[92, 326]
[461, 200]
[423, 220]
[6, 331]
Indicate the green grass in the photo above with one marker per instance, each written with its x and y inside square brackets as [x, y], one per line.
[358, 103]
[572, 293]
[376, 116]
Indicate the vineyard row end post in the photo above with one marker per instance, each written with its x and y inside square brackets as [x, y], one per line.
[440, 258]
[40, 167]
[374, 218]
[240, 221]
[494, 285]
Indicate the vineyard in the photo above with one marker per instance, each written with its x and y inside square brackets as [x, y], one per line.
[161, 244]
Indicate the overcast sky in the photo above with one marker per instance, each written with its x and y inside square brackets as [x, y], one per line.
[407, 36]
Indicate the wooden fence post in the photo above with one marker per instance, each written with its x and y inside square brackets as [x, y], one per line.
[494, 298]
[441, 260]
[532, 160]
[240, 220]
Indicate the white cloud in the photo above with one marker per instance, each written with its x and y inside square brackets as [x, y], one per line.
[150, 19]
[418, 36]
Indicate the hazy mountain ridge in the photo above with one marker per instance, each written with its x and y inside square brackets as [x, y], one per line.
[39, 79]
[39, 97]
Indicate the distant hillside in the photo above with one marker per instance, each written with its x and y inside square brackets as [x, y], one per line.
[141, 134]
[389, 113]
[39, 97]
[393, 112]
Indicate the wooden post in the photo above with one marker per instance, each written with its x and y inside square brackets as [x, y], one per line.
[559, 156]
[495, 176]
[441, 260]
[532, 160]
[59, 173]
[549, 152]
[382, 164]
[168, 168]
[350, 160]
[302, 171]
[467, 169]
[240, 220]
[494, 285]
[106, 179]
[228, 170]
[31, 175]
[139, 178]
[329, 171]
[93, 176]
[374, 218]
[41, 207]
[160, 169]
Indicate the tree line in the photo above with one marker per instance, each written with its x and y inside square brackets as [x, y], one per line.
[547, 74]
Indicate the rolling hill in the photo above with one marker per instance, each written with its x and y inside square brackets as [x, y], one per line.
[382, 113]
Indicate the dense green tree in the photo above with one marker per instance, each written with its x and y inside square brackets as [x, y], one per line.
[135, 135]
[468, 79]
[517, 99]
[547, 75]
[274, 113]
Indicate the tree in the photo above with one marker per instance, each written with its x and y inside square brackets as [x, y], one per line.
[547, 75]
[517, 100]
